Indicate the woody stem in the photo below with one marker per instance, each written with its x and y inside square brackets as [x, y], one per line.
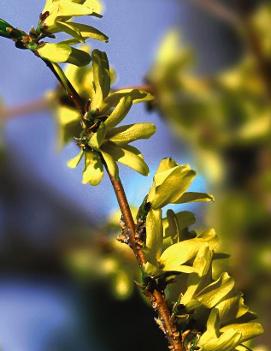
[156, 296]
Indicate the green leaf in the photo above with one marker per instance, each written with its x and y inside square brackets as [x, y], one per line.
[93, 172]
[8, 31]
[154, 238]
[101, 77]
[118, 114]
[128, 155]
[247, 330]
[63, 53]
[111, 164]
[74, 162]
[129, 133]
[194, 197]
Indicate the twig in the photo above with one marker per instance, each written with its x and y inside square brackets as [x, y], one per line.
[243, 23]
[262, 63]
[63, 80]
[218, 10]
[24, 109]
[146, 87]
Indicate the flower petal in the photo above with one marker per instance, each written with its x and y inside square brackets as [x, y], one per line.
[93, 172]
[129, 133]
[127, 155]
[120, 111]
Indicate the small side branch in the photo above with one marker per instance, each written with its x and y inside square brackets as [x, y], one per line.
[38, 105]
[218, 10]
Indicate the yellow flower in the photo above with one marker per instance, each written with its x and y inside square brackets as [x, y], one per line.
[101, 141]
[57, 17]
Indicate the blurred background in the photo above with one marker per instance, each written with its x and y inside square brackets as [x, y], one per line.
[213, 110]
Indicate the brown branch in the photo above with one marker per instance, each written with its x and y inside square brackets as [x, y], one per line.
[127, 217]
[71, 92]
[156, 296]
[262, 63]
[146, 87]
[214, 8]
[242, 22]
[39, 105]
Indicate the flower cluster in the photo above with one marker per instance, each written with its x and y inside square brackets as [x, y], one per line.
[204, 302]
[100, 140]
[57, 17]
